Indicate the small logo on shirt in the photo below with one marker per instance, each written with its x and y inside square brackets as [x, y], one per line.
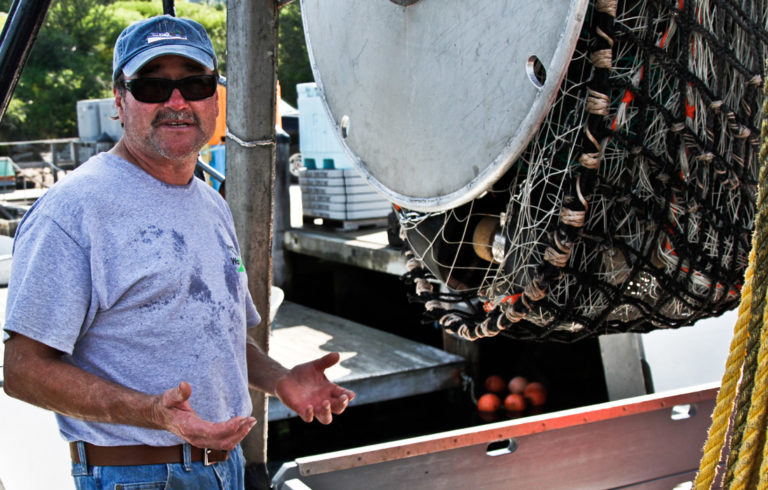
[165, 36]
[238, 262]
[235, 259]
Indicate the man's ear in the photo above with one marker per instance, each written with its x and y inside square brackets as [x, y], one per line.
[118, 103]
[216, 100]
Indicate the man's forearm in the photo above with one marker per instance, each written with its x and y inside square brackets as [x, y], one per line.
[35, 374]
[263, 371]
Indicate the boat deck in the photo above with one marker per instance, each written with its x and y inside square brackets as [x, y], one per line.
[376, 365]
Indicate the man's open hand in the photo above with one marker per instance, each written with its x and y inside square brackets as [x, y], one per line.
[307, 391]
[174, 413]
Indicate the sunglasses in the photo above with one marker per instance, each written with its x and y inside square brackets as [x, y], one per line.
[155, 90]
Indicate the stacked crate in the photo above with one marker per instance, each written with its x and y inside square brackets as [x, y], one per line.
[340, 194]
[330, 188]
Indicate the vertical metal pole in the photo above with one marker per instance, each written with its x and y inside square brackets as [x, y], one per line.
[55, 162]
[250, 143]
[169, 8]
[16, 40]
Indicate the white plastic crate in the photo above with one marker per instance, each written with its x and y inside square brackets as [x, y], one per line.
[342, 198]
[88, 120]
[340, 194]
[347, 215]
[319, 143]
[94, 117]
[110, 126]
[331, 181]
[337, 190]
[372, 206]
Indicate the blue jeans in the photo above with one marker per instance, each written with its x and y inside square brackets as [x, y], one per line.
[226, 475]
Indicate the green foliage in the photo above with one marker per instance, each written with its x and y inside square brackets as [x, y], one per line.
[293, 61]
[72, 60]
[59, 71]
[212, 18]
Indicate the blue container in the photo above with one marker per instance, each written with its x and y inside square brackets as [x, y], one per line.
[219, 162]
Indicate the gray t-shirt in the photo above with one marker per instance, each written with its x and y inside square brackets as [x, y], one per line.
[139, 282]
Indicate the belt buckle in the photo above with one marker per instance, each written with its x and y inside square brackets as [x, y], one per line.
[206, 451]
[208, 462]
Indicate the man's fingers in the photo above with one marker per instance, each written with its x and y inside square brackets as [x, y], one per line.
[339, 392]
[184, 391]
[324, 414]
[222, 435]
[327, 361]
[339, 404]
[173, 397]
[307, 414]
[243, 428]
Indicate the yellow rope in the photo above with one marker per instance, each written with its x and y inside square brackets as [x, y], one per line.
[720, 417]
[747, 464]
[752, 446]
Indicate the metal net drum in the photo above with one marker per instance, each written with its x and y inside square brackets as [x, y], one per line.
[632, 206]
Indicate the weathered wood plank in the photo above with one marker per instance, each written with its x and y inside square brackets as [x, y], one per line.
[368, 249]
[376, 365]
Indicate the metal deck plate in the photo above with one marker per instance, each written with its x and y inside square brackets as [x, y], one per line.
[439, 97]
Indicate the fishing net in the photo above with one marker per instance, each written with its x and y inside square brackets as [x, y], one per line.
[631, 208]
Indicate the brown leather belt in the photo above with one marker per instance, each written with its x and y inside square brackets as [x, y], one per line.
[140, 455]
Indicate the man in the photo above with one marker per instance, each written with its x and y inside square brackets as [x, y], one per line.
[128, 304]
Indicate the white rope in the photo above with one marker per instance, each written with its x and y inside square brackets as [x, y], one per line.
[249, 144]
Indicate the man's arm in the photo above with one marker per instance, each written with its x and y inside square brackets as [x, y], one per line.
[34, 372]
[304, 388]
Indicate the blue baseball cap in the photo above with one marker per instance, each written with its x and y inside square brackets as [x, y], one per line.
[148, 39]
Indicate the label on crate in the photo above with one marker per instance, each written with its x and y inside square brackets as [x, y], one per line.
[337, 190]
[342, 198]
[314, 190]
[330, 173]
[349, 207]
[346, 215]
[331, 181]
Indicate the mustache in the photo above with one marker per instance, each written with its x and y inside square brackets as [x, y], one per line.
[168, 115]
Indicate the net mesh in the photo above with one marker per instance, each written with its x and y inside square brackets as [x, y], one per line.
[631, 208]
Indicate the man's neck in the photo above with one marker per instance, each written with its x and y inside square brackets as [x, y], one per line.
[173, 172]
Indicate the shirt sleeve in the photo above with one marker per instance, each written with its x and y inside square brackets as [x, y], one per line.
[49, 292]
[252, 317]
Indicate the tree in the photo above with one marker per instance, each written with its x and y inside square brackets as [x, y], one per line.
[72, 60]
[60, 70]
[293, 61]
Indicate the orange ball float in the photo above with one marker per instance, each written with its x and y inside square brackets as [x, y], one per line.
[495, 384]
[536, 394]
[517, 384]
[488, 403]
[514, 402]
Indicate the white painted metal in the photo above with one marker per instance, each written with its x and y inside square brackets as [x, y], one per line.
[439, 97]
[641, 442]
[622, 356]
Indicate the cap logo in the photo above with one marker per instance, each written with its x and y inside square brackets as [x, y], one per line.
[165, 36]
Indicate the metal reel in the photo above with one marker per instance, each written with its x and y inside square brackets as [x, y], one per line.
[434, 99]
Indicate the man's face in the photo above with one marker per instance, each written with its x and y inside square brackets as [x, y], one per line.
[175, 129]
